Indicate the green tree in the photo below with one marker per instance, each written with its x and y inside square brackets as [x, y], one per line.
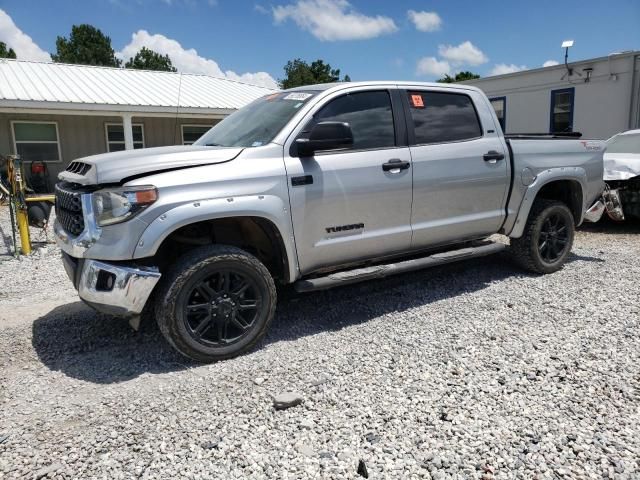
[460, 77]
[86, 45]
[298, 73]
[4, 53]
[147, 59]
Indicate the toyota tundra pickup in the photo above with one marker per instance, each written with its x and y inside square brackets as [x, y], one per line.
[318, 186]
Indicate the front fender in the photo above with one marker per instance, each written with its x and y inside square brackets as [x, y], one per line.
[576, 174]
[269, 207]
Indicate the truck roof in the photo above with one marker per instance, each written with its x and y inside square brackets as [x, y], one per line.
[401, 83]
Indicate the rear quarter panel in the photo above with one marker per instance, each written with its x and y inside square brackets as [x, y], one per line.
[538, 162]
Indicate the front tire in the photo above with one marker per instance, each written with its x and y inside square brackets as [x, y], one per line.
[548, 236]
[215, 303]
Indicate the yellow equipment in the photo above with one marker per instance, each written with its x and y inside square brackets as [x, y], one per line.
[18, 201]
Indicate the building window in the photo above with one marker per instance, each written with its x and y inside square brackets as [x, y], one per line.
[191, 133]
[562, 110]
[36, 141]
[115, 136]
[443, 117]
[499, 104]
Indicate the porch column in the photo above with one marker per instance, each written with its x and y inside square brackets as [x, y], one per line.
[128, 131]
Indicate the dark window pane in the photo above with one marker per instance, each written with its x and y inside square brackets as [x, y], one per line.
[498, 105]
[35, 132]
[191, 133]
[115, 133]
[562, 112]
[138, 145]
[137, 133]
[38, 152]
[116, 147]
[369, 115]
[444, 117]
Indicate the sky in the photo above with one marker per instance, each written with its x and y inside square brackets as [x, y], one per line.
[252, 40]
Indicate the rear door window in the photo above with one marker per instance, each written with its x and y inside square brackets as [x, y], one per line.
[440, 117]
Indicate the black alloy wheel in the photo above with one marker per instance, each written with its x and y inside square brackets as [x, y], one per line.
[222, 307]
[554, 238]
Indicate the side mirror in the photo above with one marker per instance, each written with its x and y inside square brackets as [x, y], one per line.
[325, 136]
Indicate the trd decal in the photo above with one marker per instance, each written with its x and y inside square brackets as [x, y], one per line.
[342, 228]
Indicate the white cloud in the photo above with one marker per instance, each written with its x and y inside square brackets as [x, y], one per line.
[188, 60]
[333, 20]
[24, 46]
[503, 68]
[425, 21]
[431, 66]
[464, 54]
[550, 63]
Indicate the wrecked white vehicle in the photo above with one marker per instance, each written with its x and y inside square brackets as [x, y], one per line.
[622, 175]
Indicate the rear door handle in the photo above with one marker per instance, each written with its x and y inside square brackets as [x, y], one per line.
[492, 156]
[395, 164]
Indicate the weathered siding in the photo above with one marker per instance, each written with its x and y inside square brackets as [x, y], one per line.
[605, 105]
[80, 136]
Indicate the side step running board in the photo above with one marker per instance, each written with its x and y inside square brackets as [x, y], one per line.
[381, 271]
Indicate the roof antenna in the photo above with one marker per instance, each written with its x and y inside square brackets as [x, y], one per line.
[567, 44]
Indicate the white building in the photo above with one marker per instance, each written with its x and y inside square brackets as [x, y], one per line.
[600, 98]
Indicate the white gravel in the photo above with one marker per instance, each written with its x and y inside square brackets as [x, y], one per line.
[471, 371]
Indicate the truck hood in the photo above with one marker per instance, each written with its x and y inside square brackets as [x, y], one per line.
[621, 166]
[116, 166]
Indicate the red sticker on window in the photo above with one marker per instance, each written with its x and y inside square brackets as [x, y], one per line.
[416, 101]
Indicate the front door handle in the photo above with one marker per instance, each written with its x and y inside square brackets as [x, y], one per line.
[395, 164]
[492, 156]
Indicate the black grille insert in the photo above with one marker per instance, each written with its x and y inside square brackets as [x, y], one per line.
[69, 209]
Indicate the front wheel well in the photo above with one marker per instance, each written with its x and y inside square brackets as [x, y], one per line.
[568, 192]
[255, 235]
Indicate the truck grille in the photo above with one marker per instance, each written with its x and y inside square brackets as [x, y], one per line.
[69, 209]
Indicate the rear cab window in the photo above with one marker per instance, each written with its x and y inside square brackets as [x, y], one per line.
[441, 117]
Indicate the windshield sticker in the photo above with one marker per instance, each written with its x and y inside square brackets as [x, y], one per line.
[298, 105]
[298, 96]
[416, 101]
[256, 144]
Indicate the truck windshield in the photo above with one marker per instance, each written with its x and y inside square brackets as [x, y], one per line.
[627, 143]
[257, 123]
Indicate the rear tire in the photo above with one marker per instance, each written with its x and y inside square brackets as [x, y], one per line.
[548, 236]
[215, 303]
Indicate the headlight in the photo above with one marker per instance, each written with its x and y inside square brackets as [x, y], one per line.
[115, 205]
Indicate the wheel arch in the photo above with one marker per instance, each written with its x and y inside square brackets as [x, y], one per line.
[229, 222]
[564, 185]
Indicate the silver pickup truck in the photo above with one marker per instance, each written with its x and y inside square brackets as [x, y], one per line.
[317, 186]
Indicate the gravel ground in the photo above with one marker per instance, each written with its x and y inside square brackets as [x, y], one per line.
[474, 370]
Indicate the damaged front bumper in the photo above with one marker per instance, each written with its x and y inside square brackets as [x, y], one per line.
[114, 289]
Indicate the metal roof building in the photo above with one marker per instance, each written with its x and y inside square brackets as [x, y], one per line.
[54, 113]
